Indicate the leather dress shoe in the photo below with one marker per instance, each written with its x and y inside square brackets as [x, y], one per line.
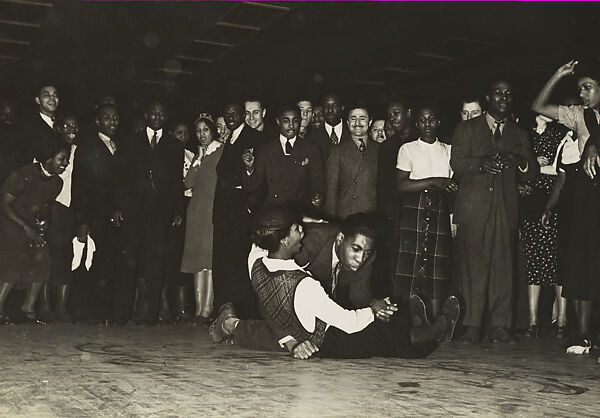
[451, 312]
[500, 335]
[418, 311]
[216, 330]
[33, 318]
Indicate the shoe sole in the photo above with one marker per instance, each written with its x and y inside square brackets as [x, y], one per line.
[419, 306]
[450, 332]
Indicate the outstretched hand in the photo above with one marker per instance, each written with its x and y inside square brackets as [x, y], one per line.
[304, 350]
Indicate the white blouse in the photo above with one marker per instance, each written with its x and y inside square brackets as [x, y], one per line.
[425, 160]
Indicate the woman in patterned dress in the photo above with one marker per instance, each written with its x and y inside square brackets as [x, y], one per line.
[540, 242]
[424, 179]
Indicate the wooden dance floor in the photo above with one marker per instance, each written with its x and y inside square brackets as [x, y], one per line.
[76, 371]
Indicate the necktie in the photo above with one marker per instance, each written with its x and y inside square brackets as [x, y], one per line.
[288, 148]
[154, 141]
[335, 273]
[497, 131]
[334, 138]
[361, 146]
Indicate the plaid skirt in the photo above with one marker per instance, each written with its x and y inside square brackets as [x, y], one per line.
[424, 261]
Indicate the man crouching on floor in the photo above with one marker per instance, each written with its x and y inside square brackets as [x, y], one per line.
[295, 306]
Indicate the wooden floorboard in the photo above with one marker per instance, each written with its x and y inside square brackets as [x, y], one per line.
[171, 371]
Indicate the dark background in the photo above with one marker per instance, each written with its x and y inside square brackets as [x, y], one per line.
[199, 55]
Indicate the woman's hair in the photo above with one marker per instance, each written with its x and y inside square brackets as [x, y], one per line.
[49, 148]
[269, 238]
[211, 125]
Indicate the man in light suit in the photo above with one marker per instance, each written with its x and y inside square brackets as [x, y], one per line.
[490, 155]
[352, 169]
[290, 167]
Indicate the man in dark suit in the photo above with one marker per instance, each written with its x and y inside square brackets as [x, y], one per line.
[291, 168]
[333, 132]
[490, 154]
[329, 250]
[148, 200]
[399, 116]
[93, 202]
[352, 169]
[231, 216]
[39, 127]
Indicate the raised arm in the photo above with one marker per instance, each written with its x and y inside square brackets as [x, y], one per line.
[541, 103]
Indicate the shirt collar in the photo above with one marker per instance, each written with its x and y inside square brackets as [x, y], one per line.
[150, 133]
[212, 147]
[275, 264]
[236, 132]
[48, 120]
[491, 122]
[283, 140]
[46, 173]
[334, 257]
[337, 128]
[104, 137]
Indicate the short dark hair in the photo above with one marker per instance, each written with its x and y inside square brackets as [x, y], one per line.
[358, 105]
[588, 68]
[269, 239]
[104, 106]
[153, 102]
[63, 116]
[287, 107]
[360, 223]
[421, 106]
[49, 148]
[254, 99]
[470, 99]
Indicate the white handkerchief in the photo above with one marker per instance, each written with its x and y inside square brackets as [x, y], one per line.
[78, 253]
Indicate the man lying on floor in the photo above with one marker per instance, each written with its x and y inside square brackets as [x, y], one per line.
[296, 307]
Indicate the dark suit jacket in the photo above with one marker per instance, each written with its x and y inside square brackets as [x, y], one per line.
[320, 138]
[144, 173]
[33, 132]
[289, 180]
[231, 200]
[93, 184]
[351, 179]
[472, 140]
[354, 287]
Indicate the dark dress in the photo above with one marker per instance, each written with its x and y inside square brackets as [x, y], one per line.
[19, 262]
[540, 245]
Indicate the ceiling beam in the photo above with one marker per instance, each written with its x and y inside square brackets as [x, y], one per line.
[19, 23]
[400, 70]
[190, 58]
[437, 56]
[174, 71]
[237, 25]
[29, 3]
[14, 41]
[9, 57]
[267, 6]
[207, 42]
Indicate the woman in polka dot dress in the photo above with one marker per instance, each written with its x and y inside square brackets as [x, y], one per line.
[539, 243]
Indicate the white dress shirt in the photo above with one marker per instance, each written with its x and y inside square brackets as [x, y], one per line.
[234, 135]
[48, 120]
[338, 129]
[150, 134]
[283, 140]
[110, 144]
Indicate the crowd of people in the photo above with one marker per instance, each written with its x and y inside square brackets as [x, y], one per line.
[327, 231]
